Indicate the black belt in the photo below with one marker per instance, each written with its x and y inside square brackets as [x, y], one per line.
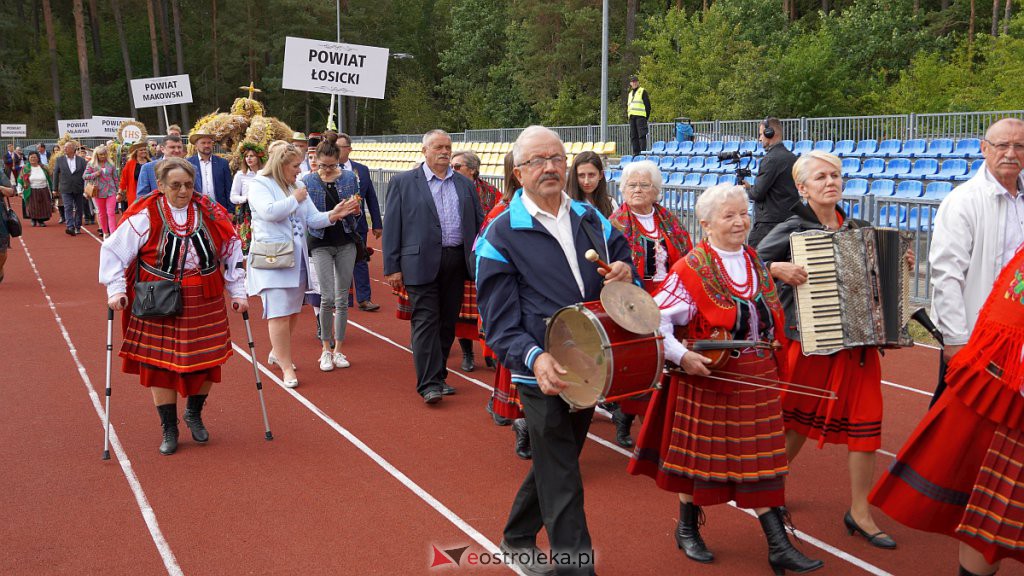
[459, 247]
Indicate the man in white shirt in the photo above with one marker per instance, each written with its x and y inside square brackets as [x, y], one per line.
[978, 227]
[213, 175]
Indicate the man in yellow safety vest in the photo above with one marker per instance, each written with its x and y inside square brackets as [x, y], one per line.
[638, 108]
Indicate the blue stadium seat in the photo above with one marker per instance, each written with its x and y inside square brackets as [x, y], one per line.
[639, 158]
[826, 146]
[607, 175]
[920, 217]
[938, 148]
[850, 165]
[937, 190]
[682, 164]
[866, 148]
[731, 146]
[802, 146]
[855, 211]
[951, 169]
[844, 148]
[870, 167]
[746, 162]
[696, 164]
[727, 179]
[715, 147]
[700, 148]
[692, 180]
[708, 180]
[887, 149]
[671, 148]
[676, 179]
[617, 176]
[685, 148]
[897, 168]
[975, 166]
[659, 147]
[967, 148]
[759, 150]
[856, 187]
[712, 164]
[666, 163]
[625, 160]
[750, 180]
[788, 145]
[909, 189]
[892, 216]
[882, 187]
[748, 146]
[912, 148]
[924, 168]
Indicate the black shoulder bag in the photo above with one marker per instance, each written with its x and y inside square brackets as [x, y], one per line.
[159, 299]
[11, 220]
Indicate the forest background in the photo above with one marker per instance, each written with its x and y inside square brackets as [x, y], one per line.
[509, 63]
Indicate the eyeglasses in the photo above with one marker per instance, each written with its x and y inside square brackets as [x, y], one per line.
[328, 167]
[1005, 146]
[541, 161]
[457, 166]
[176, 186]
[345, 146]
[642, 186]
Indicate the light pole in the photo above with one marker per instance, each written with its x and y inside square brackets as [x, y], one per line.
[604, 71]
[341, 106]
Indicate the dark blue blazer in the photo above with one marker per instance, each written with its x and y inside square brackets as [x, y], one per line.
[370, 200]
[221, 180]
[412, 230]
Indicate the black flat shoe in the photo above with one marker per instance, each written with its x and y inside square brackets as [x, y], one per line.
[879, 539]
[432, 396]
[447, 389]
[522, 444]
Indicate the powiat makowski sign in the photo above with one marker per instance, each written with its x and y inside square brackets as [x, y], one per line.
[161, 91]
[333, 68]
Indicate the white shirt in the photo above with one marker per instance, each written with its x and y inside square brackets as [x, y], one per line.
[72, 163]
[970, 246]
[206, 166]
[559, 226]
[650, 230]
[1014, 225]
[240, 186]
[37, 178]
[122, 246]
[677, 308]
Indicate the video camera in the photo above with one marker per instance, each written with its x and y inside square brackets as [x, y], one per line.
[730, 157]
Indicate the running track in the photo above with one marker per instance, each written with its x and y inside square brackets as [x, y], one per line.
[361, 477]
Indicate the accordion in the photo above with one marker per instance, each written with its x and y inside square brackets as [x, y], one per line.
[857, 291]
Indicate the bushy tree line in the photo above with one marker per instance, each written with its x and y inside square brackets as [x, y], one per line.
[500, 63]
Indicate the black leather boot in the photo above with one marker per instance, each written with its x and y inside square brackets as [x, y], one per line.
[194, 420]
[522, 439]
[169, 421]
[782, 555]
[623, 422]
[468, 362]
[688, 538]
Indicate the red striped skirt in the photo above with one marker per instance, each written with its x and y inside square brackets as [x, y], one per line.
[716, 441]
[855, 417]
[960, 475]
[506, 394]
[181, 352]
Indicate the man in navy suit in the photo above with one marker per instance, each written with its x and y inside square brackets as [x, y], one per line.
[173, 148]
[433, 218]
[213, 175]
[361, 273]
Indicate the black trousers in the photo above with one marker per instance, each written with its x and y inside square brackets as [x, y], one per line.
[638, 133]
[74, 209]
[435, 309]
[551, 496]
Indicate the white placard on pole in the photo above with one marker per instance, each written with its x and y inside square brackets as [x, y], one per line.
[13, 130]
[334, 68]
[76, 128]
[162, 91]
[106, 126]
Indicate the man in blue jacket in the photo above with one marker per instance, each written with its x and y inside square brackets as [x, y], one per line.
[530, 263]
[173, 147]
[213, 175]
[361, 272]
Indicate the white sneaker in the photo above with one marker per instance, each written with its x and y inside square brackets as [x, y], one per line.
[326, 362]
[339, 360]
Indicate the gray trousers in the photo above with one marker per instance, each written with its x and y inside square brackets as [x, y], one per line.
[334, 272]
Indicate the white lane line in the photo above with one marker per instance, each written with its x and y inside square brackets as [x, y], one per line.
[862, 564]
[907, 388]
[381, 461]
[170, 562]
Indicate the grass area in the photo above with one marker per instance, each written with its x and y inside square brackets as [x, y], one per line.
[920, 335]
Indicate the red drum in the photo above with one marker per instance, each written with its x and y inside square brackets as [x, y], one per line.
[604, 361]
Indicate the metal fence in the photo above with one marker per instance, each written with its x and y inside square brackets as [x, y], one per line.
[914, 215]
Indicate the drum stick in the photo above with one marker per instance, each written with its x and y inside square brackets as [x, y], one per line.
[592, 256]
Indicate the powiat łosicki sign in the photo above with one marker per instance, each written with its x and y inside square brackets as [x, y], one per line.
[334, 68]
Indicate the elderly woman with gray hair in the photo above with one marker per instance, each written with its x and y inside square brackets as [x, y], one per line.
[714, 441]
[657, 240]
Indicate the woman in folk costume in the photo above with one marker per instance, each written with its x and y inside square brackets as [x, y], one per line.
[714, 441]
[960, 473]
[657, 240]
[176, 233]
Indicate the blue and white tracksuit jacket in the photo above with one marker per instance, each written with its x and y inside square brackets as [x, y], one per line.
[523, 278]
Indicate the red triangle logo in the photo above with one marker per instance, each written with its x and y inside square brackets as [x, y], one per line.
[439, 558]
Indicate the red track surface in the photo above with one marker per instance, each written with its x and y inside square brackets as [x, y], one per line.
[313, 501]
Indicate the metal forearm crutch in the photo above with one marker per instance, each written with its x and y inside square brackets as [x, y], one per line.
[256, 372]
[106, 410]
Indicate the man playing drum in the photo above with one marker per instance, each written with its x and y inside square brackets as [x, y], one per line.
[530, 263]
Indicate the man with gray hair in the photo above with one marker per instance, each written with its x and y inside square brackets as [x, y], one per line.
[531, 263]
[433, 216]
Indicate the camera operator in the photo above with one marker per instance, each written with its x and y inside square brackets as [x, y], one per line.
[774, 191]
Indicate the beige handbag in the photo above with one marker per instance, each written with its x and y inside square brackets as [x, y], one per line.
[90, 190]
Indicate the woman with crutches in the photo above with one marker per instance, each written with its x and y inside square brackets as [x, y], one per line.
[175, 236]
